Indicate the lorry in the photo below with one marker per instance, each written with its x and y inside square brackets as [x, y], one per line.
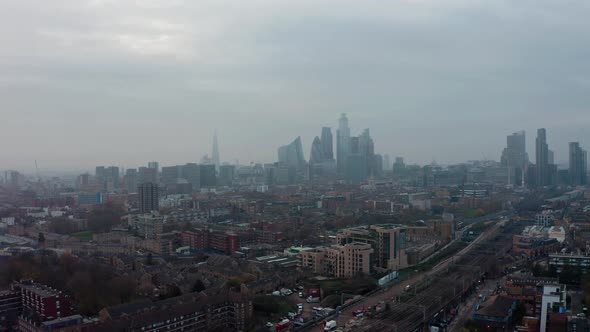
[330, 325]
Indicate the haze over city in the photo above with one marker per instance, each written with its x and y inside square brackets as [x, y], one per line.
[84, 83]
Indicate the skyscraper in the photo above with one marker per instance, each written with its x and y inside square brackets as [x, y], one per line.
[514, 157]
[148, 197]
[542, 158]
[191, 172]
[215, 153]
[327, 143]
[316, 155]
[291, 155]
[342, 143]
[154, 165]
[131, 180]
[208, 178]
[577, 164]
[147, 174]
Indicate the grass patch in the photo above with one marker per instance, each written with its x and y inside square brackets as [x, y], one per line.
[83, 236]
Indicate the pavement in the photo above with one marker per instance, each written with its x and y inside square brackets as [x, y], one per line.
[389, 294]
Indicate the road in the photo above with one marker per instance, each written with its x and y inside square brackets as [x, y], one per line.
[389, 294]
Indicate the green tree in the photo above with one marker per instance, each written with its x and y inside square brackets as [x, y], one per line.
[199, 286]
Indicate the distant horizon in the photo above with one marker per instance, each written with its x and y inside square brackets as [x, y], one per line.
[95, 82]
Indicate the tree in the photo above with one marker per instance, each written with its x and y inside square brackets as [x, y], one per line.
[199, 286]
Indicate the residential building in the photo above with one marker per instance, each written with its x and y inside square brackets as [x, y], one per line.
[340, 261]
[561, 260]
[10, 308]
[148, 226]
[388, 242]
[148, 197]
[553, 301]
[43, 301]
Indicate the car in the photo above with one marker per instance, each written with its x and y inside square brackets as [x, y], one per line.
[581, 315]
[301, 295]
[300, 306]
[269, 324]
[317, 308]
[358, 313]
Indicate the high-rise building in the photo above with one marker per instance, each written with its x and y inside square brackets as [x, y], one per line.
[399, 167]
[149, 198]
[154, 165]
[227, 174]
[577, 164]
[131, 180]
[208, 177]
[514, 157]
[291, 155]
[327, 143]
[171, 175]
[191, 172]
[316, 155]
[147, 174]
[387, 162]
[542, 158]
[215, 153]
[342, 143]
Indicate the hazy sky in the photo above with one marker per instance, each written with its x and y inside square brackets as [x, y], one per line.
[87, 82]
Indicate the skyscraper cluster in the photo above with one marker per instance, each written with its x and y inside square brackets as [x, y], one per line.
[544, 171]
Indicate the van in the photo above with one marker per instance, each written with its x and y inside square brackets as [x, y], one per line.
[330, 325]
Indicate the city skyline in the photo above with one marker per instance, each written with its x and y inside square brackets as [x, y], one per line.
[90, 82]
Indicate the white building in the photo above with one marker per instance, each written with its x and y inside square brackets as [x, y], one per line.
[554, 300]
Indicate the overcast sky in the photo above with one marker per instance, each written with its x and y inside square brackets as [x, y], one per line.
[89, 82]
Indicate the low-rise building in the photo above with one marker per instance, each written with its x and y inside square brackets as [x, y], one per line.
[559, 261]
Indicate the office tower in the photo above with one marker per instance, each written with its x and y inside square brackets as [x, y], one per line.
[170, 175]
[113, 177]
[316, 156]
[327, 143]
[215, 152]
[148, 197]
[398, 165]
[227, 174]
[542, 158]
[147, 174]
[154, 165]
[207, 175]
[100, 173]
[386, 162]
[342, 143]
[291, 155]
[191, 172]
[131, 180]
[514, 157]
[577, 164]
[377, 166]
